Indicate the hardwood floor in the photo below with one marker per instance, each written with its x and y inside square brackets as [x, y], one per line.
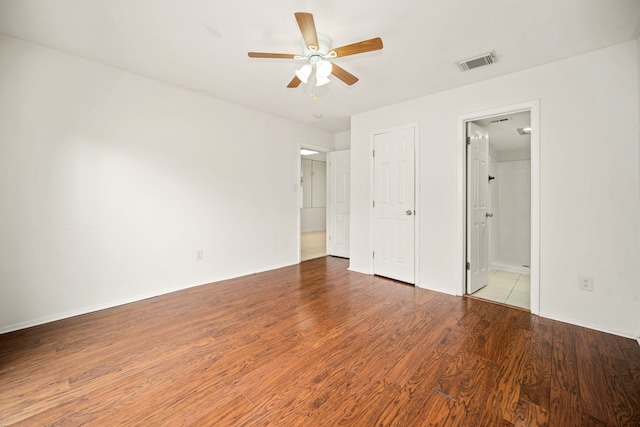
[316, 344]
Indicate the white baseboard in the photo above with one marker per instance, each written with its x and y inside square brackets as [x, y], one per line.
[357, 270]
[504, 266]
[88, 309]
[127, 300]
[446, 291]
[620, 333]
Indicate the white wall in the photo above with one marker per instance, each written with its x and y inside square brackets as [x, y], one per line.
[342, 140]
[110, 183]
[589, 182]
[313, 219]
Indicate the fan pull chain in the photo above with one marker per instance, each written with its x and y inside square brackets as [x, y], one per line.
[313, 89]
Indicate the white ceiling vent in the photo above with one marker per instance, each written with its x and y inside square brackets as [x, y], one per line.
[478, 61]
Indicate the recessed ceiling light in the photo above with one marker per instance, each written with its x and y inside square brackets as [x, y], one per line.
[306, 152]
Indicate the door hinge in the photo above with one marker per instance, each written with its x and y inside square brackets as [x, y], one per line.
[374, 153]
[468, 266]
[468, 140]
[373, 254]
[373, 204]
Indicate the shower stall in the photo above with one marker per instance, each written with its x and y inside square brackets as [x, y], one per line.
[510, 203]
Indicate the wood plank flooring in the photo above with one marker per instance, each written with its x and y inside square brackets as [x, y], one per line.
[316, 344]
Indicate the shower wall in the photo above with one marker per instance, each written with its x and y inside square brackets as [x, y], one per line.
[493, 225]
[510, 228]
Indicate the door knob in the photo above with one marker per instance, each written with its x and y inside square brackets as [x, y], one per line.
[489, 214]
[409, 212]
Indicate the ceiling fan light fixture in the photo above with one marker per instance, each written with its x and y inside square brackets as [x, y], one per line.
[321, 81]
[304, 72]
[323, 68]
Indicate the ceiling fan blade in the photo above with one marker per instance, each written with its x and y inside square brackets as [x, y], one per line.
[307, 28]
[270, 55]
[360, 47]
[294, 83]
[343, 74]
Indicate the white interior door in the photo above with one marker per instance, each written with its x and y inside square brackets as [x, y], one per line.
[394, 205]
[477, 212]
[338, 206]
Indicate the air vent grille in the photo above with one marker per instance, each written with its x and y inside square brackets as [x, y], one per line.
[478, 61]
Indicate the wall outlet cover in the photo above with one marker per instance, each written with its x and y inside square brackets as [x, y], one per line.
[585, 283]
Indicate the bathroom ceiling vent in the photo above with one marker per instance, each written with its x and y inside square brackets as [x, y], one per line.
[478, 61]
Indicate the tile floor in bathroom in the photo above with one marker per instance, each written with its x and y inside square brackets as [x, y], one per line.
[508, 288]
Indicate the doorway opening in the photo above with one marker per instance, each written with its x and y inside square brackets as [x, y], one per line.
[501, 224]
[313, 209]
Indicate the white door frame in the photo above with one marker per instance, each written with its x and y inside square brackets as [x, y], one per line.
[534, 107]
[416, 177]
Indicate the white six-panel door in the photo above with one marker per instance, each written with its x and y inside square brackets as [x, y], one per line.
[394, 205]
[338, 206]
[477, 203]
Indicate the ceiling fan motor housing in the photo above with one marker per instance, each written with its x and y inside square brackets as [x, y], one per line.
[320, 52]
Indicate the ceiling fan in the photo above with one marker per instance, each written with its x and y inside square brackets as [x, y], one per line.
[317, 53]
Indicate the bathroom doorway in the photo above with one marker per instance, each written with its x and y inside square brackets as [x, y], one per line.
[499, 208]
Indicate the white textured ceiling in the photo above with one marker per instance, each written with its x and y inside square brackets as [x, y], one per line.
[202, 45]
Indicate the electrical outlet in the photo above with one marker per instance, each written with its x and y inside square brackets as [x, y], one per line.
[586, 283]
[199, 255]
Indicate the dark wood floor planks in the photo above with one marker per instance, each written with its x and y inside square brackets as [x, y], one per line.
[316, 344]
